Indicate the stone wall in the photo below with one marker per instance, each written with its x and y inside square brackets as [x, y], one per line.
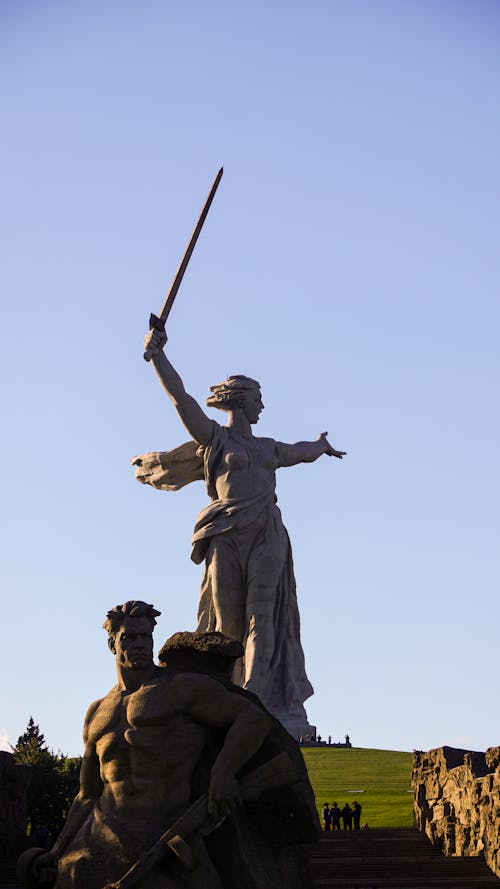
[457, 801]
[14, 783]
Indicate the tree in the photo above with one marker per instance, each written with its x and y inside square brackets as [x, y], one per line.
[54, 781]
[31, 746]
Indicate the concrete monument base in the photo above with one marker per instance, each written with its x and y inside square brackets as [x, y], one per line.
[299, 728]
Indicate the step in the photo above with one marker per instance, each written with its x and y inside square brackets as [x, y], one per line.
[375, 859]
[393, 859]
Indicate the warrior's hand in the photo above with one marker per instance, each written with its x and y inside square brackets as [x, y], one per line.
[331, 452]
[37, 868]
[154, 341]
[224, 795]
[45, 869]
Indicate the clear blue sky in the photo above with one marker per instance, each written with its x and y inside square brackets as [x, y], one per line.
[350, 263]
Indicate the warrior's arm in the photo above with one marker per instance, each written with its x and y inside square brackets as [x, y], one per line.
[43, 869]
[199, 426]
[247, 725]
[306, 451]
[91, 787]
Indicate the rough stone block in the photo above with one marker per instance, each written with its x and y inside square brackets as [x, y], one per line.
[457, 801]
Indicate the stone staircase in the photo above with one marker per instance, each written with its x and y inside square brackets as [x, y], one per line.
[393, 859]
[385, 859]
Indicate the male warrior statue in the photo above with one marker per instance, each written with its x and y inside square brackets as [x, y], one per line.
[153, 744]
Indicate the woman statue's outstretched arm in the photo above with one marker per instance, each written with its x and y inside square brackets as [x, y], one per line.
[307, 451]
[199, 426]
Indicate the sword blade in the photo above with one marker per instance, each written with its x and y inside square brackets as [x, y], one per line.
[176, 283]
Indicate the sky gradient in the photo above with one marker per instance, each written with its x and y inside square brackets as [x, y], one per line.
[350, 263]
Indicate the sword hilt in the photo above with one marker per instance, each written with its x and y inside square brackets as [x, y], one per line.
[155, 323]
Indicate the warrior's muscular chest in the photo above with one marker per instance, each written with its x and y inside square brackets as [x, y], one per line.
[138, 719]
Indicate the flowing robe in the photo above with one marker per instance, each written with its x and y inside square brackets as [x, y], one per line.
[248, 591]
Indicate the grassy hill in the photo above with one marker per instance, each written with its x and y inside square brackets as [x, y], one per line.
[378, 779]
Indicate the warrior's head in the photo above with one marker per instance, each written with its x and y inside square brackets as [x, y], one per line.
[130, 633]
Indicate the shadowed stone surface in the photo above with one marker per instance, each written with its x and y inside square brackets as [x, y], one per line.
[14, 783]
[457, 801]
[248, 589]
[172, 748]
[393, 859]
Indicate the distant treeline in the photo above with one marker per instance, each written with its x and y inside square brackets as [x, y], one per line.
[54, 781]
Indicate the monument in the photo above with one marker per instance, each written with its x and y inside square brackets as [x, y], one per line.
[191, 777]
[186, 783]
[248, 588]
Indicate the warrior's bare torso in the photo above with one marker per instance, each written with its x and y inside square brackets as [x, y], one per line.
[146, 745]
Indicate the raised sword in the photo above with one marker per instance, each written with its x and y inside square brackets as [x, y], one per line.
[158, 321]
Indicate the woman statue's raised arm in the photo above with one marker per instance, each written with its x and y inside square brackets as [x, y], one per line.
[199, 426]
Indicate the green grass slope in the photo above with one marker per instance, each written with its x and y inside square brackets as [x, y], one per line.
[378, 779]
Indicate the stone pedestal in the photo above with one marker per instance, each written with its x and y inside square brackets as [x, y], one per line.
[298, 727]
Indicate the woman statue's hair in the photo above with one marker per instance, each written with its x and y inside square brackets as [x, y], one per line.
[231, 393]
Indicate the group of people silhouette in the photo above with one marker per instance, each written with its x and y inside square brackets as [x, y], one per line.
[332, 817]
[317, 739]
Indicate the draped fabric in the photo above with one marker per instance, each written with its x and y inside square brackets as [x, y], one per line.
[170, 470]
[248, 589]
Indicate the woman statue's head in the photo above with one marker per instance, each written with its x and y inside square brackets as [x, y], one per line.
[237, 393]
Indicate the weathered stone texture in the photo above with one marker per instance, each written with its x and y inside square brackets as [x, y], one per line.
[248, 591]
[14, 781]
[186, 781]
[457, 801]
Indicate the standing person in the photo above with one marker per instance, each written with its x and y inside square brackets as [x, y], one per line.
[248, 589]
[347, 817]
[356, 815]
[335, 817]
[326, 817]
